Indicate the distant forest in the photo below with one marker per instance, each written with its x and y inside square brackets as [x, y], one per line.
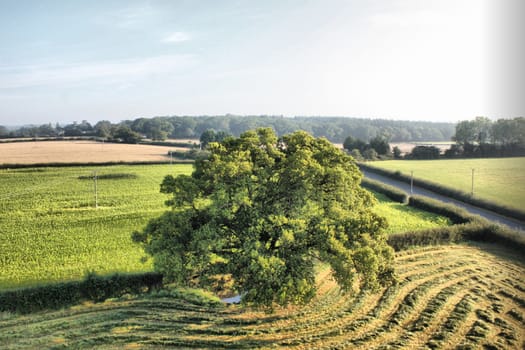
[335, 129]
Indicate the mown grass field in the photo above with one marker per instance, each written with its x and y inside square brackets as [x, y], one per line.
[448, 297]
[497, 179]
[51, 230]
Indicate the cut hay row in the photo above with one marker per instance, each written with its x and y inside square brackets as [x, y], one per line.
[447, 297]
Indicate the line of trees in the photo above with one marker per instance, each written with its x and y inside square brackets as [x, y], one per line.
[335, 129]
[377, 148]
[483, 137]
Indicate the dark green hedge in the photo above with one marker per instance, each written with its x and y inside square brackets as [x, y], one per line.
[447, 191]
[479, 230]
[170, 144]
[93, 287]
[391, 192]
[434, 236]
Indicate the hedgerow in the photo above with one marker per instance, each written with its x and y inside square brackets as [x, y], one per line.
[391, 192]
[467, 227]
[84, 164]
[93, 288]
[455, 214]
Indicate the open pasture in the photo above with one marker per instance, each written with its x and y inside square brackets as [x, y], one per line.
[448, 297]
[496, 179]
[80, 152]
[51, 230]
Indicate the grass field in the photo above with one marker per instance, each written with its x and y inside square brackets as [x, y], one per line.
[80, 151]
[51, 230]
[497, 179]
[448, 297]
[402, 218]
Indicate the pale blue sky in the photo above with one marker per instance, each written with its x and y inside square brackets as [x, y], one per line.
[68, 60]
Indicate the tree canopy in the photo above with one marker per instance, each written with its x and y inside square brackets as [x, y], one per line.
[335, 129]
[264, 211]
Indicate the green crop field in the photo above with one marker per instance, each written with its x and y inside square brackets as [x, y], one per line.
[50, 229]
[496, 179]
[448, 297]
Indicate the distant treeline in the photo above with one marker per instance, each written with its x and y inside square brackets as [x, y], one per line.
[481, 138]
[335, 129]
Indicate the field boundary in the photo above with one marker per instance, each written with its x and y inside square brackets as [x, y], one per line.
[466, 226]
[92, 288]
[188, 145]
[81, 164]
[449, 192]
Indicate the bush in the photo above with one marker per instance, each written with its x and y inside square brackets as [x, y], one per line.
[424, 152]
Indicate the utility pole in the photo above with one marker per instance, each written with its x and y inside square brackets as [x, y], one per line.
[411, 182]
[472, 188]
[95, 188]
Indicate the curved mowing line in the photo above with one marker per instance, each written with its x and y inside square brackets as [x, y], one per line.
[445, 297]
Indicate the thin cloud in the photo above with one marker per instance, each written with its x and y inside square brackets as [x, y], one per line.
[408, 18]
[102, 72]
[176, 37]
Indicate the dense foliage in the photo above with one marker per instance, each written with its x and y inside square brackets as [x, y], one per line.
[335, 129]
[263, 210]
[483, 137]
[377, 147]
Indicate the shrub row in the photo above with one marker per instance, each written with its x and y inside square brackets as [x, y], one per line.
[93, 288]
[95, 138]
[456, 214]
[391, 192]
[191, 154]
[478, 230]
[114, 176]
[450, 192]
[170, 144]
[58, 138]
[467, 227]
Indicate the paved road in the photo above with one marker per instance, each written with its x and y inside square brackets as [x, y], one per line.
[512, 223]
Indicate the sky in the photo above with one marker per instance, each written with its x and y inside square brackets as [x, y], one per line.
[74, 60]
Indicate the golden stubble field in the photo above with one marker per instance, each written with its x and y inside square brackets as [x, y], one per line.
[80, 152]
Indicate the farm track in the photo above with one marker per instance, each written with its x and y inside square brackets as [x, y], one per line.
[447, 297]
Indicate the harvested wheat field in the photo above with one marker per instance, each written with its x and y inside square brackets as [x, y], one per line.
[80, 152]
[448, 297]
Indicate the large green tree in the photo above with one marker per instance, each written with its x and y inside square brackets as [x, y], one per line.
[264, 211]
